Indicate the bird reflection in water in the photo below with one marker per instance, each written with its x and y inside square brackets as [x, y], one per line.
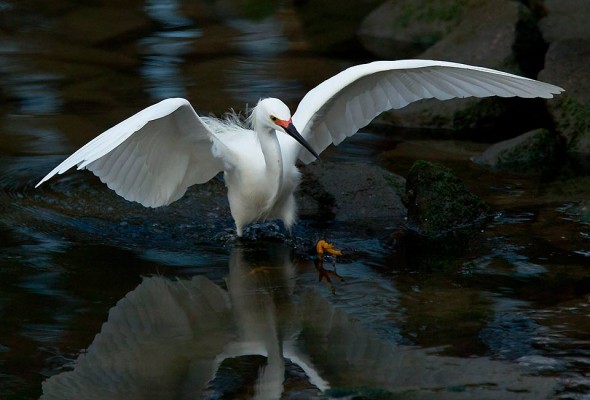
[261, 283]
[188, 339]
[170, 339]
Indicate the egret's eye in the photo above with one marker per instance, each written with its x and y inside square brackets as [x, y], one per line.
[273, 118]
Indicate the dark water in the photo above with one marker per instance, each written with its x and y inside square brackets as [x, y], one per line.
[100, 298]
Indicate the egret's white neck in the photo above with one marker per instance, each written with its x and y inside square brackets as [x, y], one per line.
[271, 150]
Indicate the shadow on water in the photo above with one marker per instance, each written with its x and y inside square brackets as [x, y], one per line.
[262, 337]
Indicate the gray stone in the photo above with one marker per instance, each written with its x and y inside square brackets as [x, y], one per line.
[405, 28]
[489, 34]
[361, 193]
[565, 19]
[532, 151]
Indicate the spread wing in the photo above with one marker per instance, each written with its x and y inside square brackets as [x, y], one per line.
[338, 107]
[153, 156]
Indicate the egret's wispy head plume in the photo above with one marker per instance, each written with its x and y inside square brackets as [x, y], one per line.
[233, 118]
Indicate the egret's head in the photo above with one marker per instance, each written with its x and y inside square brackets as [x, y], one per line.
[272, 114]
[269, 111]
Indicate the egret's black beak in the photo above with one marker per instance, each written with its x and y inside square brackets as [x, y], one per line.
[292, 131]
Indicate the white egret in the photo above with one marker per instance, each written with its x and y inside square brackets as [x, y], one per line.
[155, 155]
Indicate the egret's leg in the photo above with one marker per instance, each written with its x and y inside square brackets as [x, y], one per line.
[237, 214]
[288, 213]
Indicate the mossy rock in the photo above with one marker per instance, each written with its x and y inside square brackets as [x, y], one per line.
[438, 202]
[534, 151]
[575, 122]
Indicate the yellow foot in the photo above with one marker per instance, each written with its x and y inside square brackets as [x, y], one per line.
[323, 246]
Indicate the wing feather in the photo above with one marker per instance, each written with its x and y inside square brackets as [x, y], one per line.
[153, 156]
[364, 91]
[451, 85]
[406, 87]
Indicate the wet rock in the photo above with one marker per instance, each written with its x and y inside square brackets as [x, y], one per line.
[438, 201]
[566, 65]
[352, 192]
[495, 34]
[532, 151]
[400, 29]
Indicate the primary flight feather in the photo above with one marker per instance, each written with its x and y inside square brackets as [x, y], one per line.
[155, 155]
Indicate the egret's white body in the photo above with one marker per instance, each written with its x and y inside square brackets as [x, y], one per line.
[155, 155]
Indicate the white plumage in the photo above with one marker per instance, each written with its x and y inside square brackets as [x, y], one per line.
[155, 155]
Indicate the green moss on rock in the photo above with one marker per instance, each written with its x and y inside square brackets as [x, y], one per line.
[575, 120]
[542, 148]
[536, 151]
[438, 201]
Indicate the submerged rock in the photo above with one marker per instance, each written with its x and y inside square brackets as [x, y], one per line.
[438, 201]
[535, 150]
